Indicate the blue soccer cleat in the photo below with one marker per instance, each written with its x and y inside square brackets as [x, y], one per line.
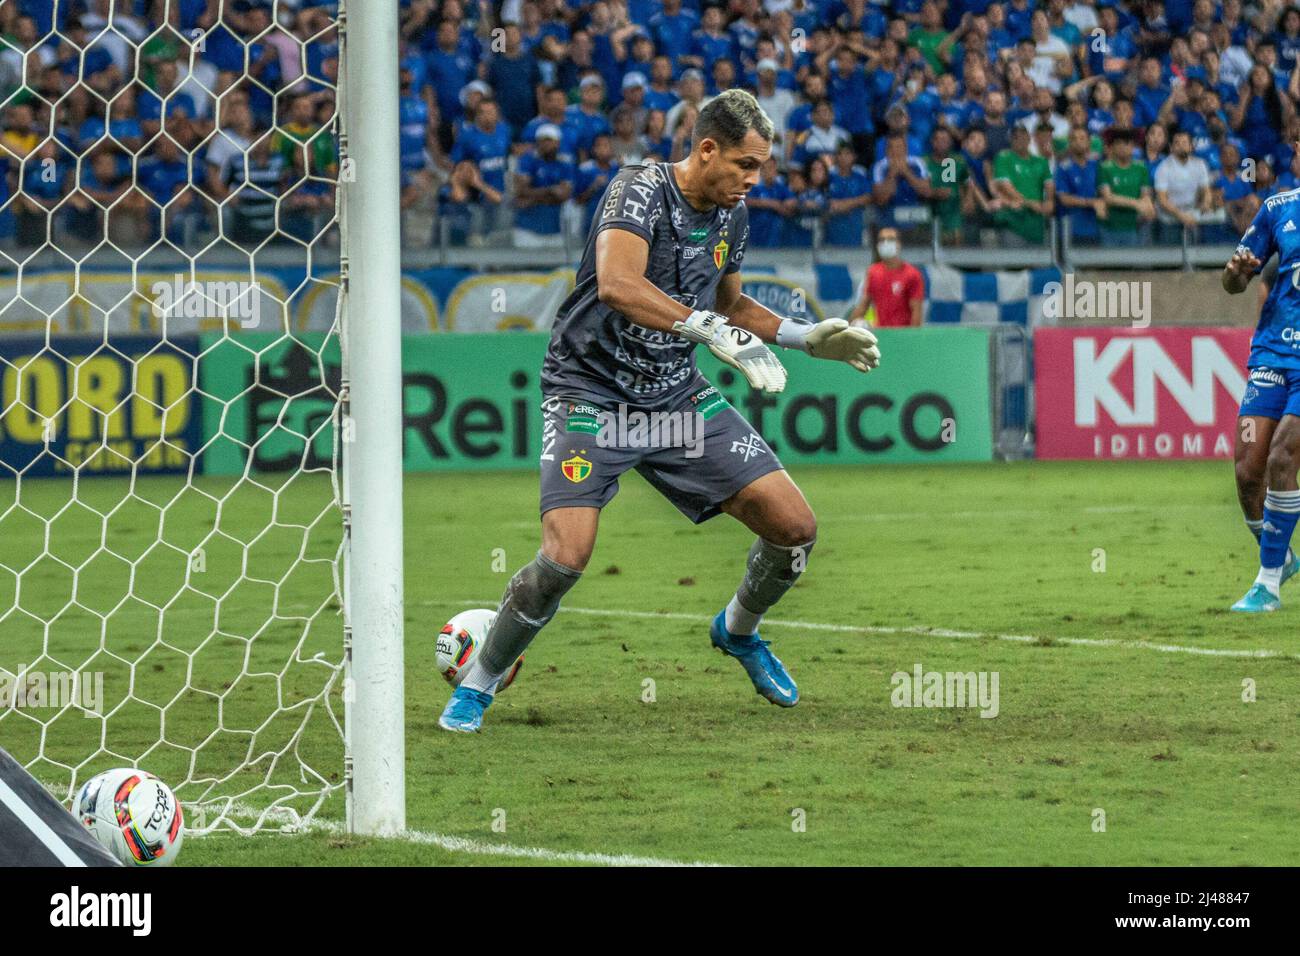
[1258, 598]
[464, 712]
[1292, 567]
[764, 668]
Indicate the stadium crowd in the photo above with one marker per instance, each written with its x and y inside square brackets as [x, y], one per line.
[1126, 122]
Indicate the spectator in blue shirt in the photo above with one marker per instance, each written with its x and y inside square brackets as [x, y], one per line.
[165, 178]
[414, 130]
[655, 141]
[770, 204]
[898, 121]
[1233, 191]
[900, 184]
[809, 204]
[78, 56]
[722, 77]
[1151, 93]
[660, 95]
[555, 110]
[515, 78]
[634, 90]
[641, 58]
[1112, 53]
[1210, 148]
[586, 115]
[543, 183]
[953, 111]
[593, 176]
[41, 186]
[1076, 188]
[799, 121]
[1261, 113]
[1020, 15]
[882, 76]
[123, 123]
[672, 29]
[823, 137]
[450, 68]
[745, 33]
[851, 94]
[150, 105]
[486, 144]
[849, 192]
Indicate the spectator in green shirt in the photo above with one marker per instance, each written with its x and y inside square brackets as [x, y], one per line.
[1124, 183]
[927, 37]
[948, 176]
[1023, 182]
[301, 142]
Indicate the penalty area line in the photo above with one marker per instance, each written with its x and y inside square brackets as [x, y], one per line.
[1252, 654]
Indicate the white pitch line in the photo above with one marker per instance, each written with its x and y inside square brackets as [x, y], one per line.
[455, 844]
[927, 632]
[857, 517]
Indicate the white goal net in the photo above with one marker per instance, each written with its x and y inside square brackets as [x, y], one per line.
[172, 401]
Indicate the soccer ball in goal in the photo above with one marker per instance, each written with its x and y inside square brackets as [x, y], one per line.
[133, 815]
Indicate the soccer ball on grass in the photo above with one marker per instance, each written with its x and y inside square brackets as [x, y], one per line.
[459, 643]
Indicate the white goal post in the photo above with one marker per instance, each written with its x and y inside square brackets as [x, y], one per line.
[372, 455]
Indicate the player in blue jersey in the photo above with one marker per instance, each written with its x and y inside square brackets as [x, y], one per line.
[1268, 426]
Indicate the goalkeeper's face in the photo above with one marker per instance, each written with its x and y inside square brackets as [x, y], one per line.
[730, 172]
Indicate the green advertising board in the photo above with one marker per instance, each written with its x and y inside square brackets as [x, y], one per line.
[471, 401]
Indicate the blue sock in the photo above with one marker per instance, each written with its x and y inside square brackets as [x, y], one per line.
[1281, 511]
[1255, 527]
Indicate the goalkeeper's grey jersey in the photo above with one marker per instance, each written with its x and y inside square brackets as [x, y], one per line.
[596, 354]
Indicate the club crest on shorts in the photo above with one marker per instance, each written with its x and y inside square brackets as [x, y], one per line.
[720, 253]
[576, 469]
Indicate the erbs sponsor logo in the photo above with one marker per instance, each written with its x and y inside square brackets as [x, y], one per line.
[75, 909]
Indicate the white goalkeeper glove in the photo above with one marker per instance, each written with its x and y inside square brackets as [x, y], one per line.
[735, 346]
[831, 339]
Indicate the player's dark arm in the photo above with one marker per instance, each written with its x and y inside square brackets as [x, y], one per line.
[621, 258]
[1237, 273]
[743, 311]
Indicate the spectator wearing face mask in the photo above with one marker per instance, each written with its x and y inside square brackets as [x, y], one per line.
[894, 287]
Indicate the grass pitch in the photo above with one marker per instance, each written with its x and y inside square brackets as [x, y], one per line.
[1103, 580]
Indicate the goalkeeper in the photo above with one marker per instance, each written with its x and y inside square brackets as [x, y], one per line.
[660, 274]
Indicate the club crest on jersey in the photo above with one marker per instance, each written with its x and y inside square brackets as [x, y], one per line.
[720, 253]
[576, 469]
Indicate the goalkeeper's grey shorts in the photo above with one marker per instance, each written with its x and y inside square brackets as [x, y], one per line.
[698, 454]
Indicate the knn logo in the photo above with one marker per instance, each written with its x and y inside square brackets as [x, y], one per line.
[1195, 394]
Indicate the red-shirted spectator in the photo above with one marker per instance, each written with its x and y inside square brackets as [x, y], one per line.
[893, 286]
